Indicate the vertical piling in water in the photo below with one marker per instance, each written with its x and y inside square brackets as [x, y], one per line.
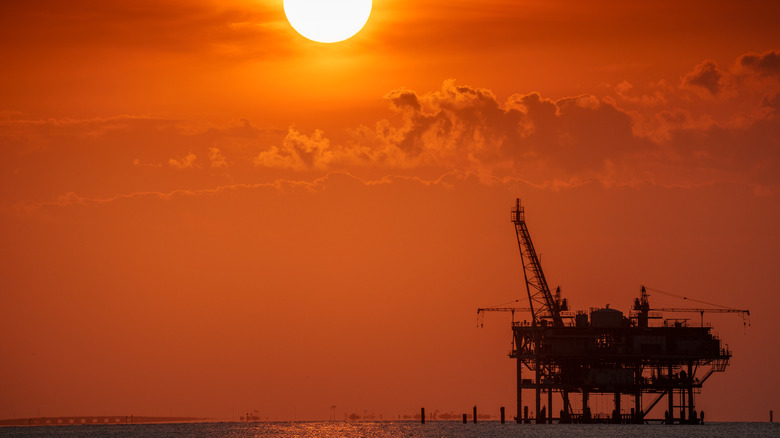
[771, 416]
[465, 418]
[422, 415]
[519, 390]
[503, 419]
[525, 414]
[475, 414]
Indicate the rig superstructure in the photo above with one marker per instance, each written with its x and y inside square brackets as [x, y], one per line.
[604, 352]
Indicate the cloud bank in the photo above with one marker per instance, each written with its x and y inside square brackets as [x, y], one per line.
[718, 125]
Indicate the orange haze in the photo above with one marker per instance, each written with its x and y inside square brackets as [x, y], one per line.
[206, 214]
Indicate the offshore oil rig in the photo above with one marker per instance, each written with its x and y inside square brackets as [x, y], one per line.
[642, 358]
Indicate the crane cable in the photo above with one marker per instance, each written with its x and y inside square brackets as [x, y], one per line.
[745, 313]
[690, 299]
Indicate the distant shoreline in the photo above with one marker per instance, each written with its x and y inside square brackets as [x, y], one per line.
[98, 419]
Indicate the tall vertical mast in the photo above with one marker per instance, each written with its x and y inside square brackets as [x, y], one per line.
[543, 305]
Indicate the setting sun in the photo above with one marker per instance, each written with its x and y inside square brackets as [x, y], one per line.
[327, 21]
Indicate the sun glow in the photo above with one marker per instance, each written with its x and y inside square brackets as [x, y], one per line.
[327, 21]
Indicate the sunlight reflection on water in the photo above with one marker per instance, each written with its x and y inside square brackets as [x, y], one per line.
[393, 429]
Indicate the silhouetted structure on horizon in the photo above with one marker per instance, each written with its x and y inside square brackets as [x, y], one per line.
[605, 352]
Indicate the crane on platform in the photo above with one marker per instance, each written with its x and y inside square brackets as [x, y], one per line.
[543, 305]
[500, 308]
[641, 304]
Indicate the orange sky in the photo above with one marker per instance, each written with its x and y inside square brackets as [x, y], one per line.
[204, 213]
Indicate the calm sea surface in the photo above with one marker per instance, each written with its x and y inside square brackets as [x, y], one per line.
[395, 429]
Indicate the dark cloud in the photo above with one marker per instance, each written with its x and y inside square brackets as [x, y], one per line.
[403, 100]
[773, 103]
[467, 128]
[706, 75]
[765, 64]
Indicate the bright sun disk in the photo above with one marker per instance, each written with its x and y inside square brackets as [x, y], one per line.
[327, 21]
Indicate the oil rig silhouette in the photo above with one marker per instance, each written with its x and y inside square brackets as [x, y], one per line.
[604, 353]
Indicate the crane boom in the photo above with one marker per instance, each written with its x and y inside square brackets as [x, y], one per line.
[543, 305]
[692, 310]
[642, 307]
[482, 310]
[701, 312]
[502, 309]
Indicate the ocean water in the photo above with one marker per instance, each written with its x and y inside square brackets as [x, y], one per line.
[388, 429]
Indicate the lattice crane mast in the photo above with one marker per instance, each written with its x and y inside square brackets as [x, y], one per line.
[543, 305]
